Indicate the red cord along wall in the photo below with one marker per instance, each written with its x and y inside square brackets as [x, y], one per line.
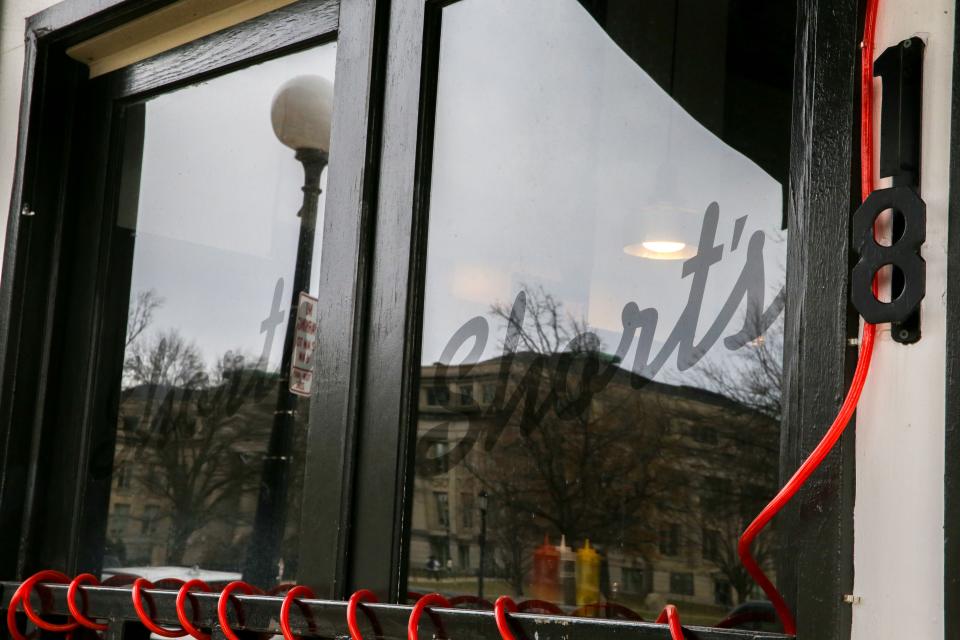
[863, 363]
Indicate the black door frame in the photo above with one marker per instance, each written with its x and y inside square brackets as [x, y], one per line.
[372, 296]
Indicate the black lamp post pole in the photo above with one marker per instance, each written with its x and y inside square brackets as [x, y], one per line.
[483, 542]
[270, 521]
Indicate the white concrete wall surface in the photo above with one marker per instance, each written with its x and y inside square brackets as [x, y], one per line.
[898, 517]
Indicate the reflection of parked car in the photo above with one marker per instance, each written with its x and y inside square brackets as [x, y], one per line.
[756, 615]
[216, 579]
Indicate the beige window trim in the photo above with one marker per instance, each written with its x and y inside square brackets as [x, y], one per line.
[164, 29]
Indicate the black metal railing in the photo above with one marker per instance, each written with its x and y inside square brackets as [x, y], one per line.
[327, 619]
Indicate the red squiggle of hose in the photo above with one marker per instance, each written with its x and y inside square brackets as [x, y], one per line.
[863, 362]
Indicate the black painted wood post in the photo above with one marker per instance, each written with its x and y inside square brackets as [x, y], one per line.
[816, 532]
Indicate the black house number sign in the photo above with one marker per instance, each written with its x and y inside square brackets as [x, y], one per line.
[901, 69]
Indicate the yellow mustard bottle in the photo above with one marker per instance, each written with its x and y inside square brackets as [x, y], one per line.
[588, 575]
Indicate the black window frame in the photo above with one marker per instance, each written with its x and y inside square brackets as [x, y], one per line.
[371, 292]
[54, 290]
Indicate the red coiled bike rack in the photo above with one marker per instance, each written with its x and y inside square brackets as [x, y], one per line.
[147, 619]
[236, 585]
[363, 595]
[22, 596]
[28, 585]
[413, 625]
[82, 620]
[297, 591]
[182, 616]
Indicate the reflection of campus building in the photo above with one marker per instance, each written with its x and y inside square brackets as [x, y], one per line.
[191, 459]
[676, 473]
[701, 465]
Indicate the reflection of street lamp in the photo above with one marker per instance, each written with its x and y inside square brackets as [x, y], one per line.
[482, 500]
[300, 113]
[665, 227]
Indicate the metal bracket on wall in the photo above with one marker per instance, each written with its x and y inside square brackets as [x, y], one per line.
[900, 68]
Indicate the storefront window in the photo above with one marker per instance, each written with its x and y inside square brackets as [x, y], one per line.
[210, 211]
[602, 353]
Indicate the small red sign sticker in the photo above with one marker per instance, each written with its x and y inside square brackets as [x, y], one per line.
[304, 346]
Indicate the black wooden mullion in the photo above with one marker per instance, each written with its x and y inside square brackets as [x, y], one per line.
[816, 530]
[261, 615]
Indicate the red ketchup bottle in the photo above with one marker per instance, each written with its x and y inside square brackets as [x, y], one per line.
[546, 572]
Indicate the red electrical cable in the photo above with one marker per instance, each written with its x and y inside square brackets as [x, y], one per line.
[863, 362]
[866, 100]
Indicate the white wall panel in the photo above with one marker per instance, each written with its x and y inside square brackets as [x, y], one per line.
[898, 517]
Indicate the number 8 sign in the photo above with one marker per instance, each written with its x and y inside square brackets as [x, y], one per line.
[903, 253]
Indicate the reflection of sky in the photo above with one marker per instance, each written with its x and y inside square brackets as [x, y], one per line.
[217, 224]
[552, 149]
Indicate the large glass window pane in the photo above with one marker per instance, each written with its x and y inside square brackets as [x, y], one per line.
[208, 455]
[599, 402]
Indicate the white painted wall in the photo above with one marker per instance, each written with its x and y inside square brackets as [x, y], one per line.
[13, 14]
[898, 517]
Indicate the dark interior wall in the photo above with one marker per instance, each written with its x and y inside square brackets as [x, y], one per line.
[729, 63]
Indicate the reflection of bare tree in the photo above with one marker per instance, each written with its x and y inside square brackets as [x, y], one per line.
[747, 448]
[726, 532]
[165, 360]
[192, 438]
[140, 314]
[753, 377]
[544, 329]
[659, 476]
[587, 466]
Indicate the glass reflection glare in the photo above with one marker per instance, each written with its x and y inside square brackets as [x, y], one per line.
[660, 250]
[664, 246]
